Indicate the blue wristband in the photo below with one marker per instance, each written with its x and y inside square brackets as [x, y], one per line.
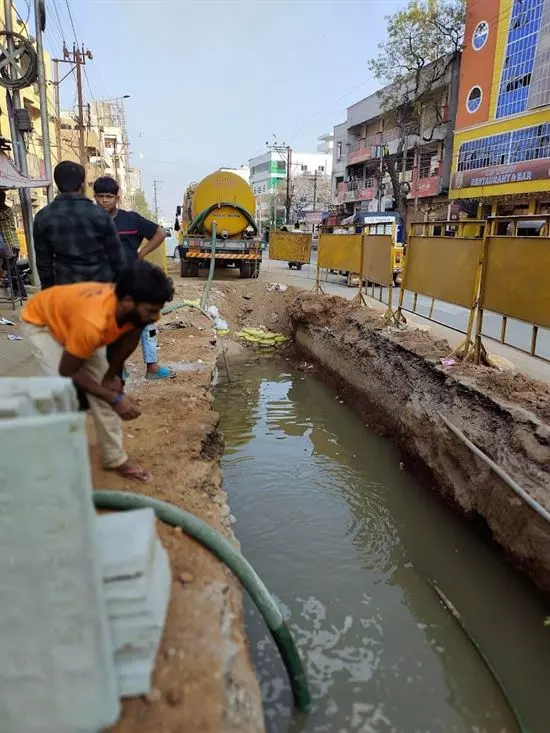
[117, 399]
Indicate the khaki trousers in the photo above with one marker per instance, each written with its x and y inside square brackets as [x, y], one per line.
[107, 423]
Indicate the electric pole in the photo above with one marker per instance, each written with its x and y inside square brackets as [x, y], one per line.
[77, 57]
[285, 151]
[13, 101]
[156, 184]
[315, 192]
[40, 21]
[56, 83]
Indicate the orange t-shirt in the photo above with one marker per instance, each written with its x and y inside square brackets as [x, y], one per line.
[81, 317]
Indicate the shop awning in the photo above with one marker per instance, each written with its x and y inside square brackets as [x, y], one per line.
[11, 177]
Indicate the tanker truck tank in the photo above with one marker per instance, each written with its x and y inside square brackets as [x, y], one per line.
[226, 199]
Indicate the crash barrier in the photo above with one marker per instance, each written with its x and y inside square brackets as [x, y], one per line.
[290, 247]
[513, 282]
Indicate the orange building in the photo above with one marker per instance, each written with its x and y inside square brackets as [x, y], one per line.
[501, 153]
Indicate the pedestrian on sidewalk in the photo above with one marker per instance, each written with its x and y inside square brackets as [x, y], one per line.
[133, 229]
[68, 328]
[74, 240]
[8, 229]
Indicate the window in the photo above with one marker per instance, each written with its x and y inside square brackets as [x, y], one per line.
[480, 35]
[339, 150]
[473, 101]
[517, 146]
[303, 168]
[321, 169]
[521, 48]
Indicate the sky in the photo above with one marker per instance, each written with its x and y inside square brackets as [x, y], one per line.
[210, 81]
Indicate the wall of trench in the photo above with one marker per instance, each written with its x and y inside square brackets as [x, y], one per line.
[399, 393]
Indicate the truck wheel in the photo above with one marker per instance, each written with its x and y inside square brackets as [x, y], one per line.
[256, 271]
[194, 269]
[298, 265]
[184, 268]
[246, 270]
[397, 279]
[290, 265]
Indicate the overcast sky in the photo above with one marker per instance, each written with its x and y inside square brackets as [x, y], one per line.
[212, 80]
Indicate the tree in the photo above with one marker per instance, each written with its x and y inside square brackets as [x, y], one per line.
[309, 193]
[140, 204]
[423, 42]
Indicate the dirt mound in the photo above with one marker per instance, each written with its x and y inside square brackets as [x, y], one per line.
[317, 310]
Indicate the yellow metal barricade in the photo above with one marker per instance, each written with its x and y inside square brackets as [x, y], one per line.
[340, 252]
[158, 257]
[444, 268]
[290, 247]
[512, 283]
[378, 268]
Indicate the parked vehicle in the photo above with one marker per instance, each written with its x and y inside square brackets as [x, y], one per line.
[226, 199]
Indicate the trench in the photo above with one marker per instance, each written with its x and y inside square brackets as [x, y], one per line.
[345, 538]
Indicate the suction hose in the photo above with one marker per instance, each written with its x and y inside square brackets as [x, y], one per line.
[226, 552]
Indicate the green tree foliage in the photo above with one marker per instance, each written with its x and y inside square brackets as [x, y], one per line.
[140, 205]
[422, 42]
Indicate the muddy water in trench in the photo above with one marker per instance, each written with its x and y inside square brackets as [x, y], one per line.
[345, 539]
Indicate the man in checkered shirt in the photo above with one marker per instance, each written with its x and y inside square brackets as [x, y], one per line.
[75, 240]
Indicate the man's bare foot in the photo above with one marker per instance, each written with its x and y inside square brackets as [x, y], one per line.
[134, 472]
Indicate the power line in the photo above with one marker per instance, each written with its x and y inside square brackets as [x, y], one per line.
[72, 21]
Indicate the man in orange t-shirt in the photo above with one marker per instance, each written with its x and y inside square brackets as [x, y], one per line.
[69, 327]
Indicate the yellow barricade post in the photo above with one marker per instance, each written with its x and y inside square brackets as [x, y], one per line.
[444, 268]
[377, 267]
[290, 247]
[512, 265]
[339, 252]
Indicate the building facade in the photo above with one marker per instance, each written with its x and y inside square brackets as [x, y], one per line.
[268, 171]
[422, 154]
[502, 140]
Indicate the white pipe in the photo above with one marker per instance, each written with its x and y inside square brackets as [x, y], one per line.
[544, 513]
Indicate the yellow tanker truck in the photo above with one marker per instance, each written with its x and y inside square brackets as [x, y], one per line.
[226, 200]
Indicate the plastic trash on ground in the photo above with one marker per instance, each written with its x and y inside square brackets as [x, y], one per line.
[277, 287]
[262, 337]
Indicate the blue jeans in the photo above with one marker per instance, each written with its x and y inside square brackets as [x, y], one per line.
[149, 344]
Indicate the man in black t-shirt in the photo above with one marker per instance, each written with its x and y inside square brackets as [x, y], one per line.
[132, 229]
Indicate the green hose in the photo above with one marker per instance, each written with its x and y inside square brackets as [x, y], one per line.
[199, 219]
[226, 552]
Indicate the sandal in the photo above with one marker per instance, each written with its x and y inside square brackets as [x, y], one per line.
[134, 472]
[161, 373]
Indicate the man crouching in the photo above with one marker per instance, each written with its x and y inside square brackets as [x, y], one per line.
[69, 328]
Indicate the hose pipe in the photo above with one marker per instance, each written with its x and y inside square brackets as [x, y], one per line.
[219, 546]
[199, 219]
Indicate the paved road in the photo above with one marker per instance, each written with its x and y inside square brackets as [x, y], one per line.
[450, 320]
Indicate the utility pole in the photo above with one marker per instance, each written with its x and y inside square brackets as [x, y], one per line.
[380, 171]
[315, 192]
[285, 151]
[288, 183]
[77, 57]
[57, 108]
[13, 100]
[44, 116]
[156, 184]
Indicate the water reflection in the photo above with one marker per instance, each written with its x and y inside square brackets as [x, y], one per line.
[347, 538]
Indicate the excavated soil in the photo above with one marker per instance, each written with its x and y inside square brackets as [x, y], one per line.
[396, 380]
[203, 679]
